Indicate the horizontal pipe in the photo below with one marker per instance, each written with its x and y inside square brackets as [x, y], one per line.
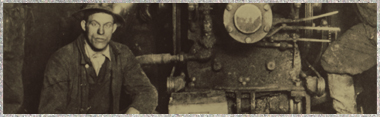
[304, 19]
[264, 88]
[304, 39]
[311, 28]
[273, 44]
[159, 58]
[312, 40]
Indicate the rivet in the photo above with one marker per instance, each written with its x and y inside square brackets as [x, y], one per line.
[247, 79]
[241, 79]
[248, 40]
[230, 29]
[244, 83]
[266, 28]
[193, 79]
[87, 66]
[271, 65]
[229, 7]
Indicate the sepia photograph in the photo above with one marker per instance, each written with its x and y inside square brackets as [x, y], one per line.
[189, 58]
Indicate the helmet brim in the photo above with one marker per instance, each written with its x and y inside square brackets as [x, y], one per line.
[81, 14]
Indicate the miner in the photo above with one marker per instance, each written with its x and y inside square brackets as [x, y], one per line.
[353, 53]
[88, 75]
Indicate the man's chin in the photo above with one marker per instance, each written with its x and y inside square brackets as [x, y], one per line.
[100, 47]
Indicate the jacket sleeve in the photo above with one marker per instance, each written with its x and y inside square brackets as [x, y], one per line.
[139, 86]
[55, 86]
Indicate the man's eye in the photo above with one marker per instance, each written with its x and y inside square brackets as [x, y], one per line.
[93, 24]
[108, 25]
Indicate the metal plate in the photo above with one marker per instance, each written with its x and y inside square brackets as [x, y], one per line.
[243, 33]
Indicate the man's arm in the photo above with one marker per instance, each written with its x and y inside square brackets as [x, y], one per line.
[139, 86]
[55, 86]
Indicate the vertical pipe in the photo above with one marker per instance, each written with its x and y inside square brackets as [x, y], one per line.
[178, 26]
[291, 103]
[253, 102]
[174, 16]
[238, 102]
[299, 107]
[308, 104]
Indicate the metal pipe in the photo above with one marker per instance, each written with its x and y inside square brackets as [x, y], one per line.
[264, 88]
[312, 40]
[308, 104]
[276, 30]
[311, 28]
[159, 58]
[299, 107]
[253, 102]
[318, 16]
[291, 104]
[304, 19]
[273, 44]
[303, 39]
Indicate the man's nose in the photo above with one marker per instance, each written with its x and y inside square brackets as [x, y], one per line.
[101, 30]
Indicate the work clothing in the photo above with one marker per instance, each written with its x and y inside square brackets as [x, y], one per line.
[353, 53]
[66, 85]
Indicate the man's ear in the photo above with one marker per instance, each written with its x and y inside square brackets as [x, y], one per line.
[83, 25]
[114, 28]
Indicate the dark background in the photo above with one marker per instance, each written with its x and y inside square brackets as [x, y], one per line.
[34, 31]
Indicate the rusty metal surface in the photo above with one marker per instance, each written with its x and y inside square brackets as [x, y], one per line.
[197, 97]
[245, 62]
[266, 103]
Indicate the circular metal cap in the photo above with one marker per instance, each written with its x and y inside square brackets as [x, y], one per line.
[247, 22]
[248, 18]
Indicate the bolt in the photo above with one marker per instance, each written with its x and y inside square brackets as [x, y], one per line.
[324, 22]
[230, 29]
[266, 28]
[193, 79]
[271, 65]
[244, 83]
[229, 7]
[266, 7]
[217, 66]
[247, 79]
[241, 79]
[247, 40]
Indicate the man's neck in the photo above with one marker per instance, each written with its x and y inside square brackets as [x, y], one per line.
[90, 51]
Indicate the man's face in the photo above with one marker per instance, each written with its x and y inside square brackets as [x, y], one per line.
[99, 29]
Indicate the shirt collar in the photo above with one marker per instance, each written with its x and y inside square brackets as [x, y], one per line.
[90, 52]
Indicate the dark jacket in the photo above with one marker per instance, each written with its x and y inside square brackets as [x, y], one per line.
[65, 88]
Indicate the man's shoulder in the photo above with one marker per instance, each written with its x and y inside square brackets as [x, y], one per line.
[123, 49]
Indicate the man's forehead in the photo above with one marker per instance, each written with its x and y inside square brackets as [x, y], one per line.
[101, 17]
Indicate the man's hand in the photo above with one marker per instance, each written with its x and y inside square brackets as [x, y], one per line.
[132, 111]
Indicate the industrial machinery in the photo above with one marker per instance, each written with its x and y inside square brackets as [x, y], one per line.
[246, 57]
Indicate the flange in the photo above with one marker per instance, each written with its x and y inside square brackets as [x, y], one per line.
[247, 23]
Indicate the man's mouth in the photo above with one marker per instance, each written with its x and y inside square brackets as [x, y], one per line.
[100, 39]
